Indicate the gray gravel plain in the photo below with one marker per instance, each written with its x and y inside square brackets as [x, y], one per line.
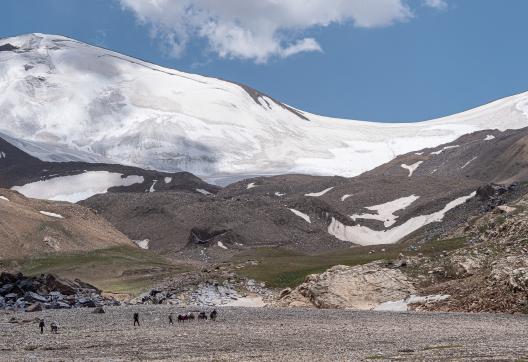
[265, 334]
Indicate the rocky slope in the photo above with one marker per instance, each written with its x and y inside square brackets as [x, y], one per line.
[488, 274]
[315, 213]
[31, 227]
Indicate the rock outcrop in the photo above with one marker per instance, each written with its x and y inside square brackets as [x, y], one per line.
[360, 287]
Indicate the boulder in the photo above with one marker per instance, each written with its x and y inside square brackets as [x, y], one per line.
[98, 310]
[343, 287]
[34, 297]
[35, 307]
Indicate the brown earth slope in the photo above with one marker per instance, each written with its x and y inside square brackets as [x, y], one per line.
[31, 227]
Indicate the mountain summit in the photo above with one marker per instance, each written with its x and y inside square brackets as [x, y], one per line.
[63, 100]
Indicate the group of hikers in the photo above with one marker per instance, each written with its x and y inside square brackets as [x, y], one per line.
[54, 327]
[183, 317]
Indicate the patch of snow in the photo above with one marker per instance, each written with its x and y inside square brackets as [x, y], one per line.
[4, 198]
[385, 212]
[411, 168]
[403, 304]
[221, 244]
[167, 180]
[143, 244]
[3, 155]
[77, 187]
[250, 186]
[152, 187]
[318, 194]
[203, 192]
[344, 197]
[418, 153]
[302, 215]
[51, 214]
[444, 149]
[434, 170]
[365, 236]
[467, 163]
[279, 194]
[489, 137]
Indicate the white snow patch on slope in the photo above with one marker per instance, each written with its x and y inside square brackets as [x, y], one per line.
[418, 153]
[385, 212]
[444, 149]
[143, 244]
[168, 180]
[344, 197]
[411, 168]
[221, 244]
[279, 194]
[365, 236]
[152, 186]
[4, 198]
[467, 163]
[204, 192]
[302, 215]
[52, 214]
[77, 187]
[3, 155]
[403, 304]
[318, 194]
[489, 137]
[251, 186]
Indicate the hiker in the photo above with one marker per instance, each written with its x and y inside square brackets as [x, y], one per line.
[54, 327]
[41, 326]
[202, 316]
[136, 319]
[170, 319]
[213, 315]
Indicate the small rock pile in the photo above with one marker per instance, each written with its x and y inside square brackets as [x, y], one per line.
[31, 294]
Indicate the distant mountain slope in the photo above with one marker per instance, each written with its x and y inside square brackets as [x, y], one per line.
[387, 205]
[36, 227]
[75, 181]
[62, 100]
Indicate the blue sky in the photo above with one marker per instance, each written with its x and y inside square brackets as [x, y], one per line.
[402, 61]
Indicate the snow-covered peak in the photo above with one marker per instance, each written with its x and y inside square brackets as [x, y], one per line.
[74, 101]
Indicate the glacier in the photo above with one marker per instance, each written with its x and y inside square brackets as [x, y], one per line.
[64, 100]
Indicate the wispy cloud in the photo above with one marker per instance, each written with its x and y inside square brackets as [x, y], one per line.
[258, 30]
[436, 4]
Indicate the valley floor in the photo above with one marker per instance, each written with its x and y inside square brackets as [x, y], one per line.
[265, 334]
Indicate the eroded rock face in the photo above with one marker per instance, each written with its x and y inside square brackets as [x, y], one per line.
[360, 287]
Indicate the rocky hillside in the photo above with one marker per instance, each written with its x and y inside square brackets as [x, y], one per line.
[402, 200]
[31, 227]
[488, 274]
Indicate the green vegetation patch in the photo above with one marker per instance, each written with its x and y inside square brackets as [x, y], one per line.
[117, 270]
[281, 268]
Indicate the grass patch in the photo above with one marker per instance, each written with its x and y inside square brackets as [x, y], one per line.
[282, 268]
[375, 357]
[118, 270]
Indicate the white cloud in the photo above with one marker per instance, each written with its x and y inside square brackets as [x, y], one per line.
[436, 4]
[258, 30]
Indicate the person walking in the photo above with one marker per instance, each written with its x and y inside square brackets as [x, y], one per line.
[171, 321]
[136, 319]
[41, 326]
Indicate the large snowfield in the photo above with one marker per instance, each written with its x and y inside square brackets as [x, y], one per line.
[64, 100]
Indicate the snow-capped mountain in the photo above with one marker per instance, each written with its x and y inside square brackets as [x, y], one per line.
[63, 100]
